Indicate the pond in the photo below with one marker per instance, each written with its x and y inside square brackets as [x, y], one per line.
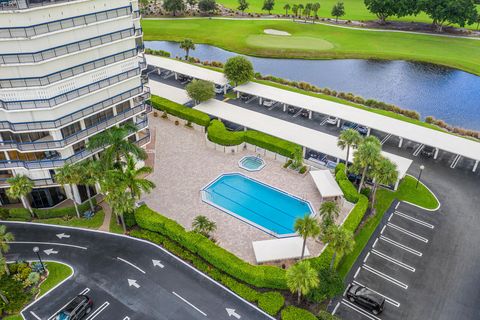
[445, 93]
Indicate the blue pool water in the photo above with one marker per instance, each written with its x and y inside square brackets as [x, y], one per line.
[256, 203]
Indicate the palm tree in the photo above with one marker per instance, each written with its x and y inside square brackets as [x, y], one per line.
[5, 238]
[307, 10]
[295, 11]
[349, 138]
[70, 175]
[329, 211]
[367, 153]
[384, 172]
[20, 187]
[133, 178]
[340, 240]
[306, 227]
[301, 278]
[203, 225]
[187, 45]
[315, 8]
[300, 9]
[121, 203]
[112, 183]
[286, 7]
[118, 146]
[90, 175]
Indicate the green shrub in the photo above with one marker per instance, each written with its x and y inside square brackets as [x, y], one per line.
[331, 285]
[288, 163]
[160, 53]
[217, 133]
[277, 145]
[340, 175]
[302, 170]
[20, 213]
[129, 219]
[3, 213]
[271, 302]
[16, 295]
[180, 111]
[366, 192]
[62, 212]
[294, 313]
[349, 191]
[357, 213]
[324, 315]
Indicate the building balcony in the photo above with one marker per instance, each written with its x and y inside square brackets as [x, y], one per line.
[29, 4]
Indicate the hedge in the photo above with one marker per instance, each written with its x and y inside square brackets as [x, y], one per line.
[20, 213]
[217, 133]
[324, 315]
[258, 276]
[180, 111]
[277, 145]
[349, 191]
[294, 313]
[62, 212]
[271, 302]
[3, 213]
[356, 215]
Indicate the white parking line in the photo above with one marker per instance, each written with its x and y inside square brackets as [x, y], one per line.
[396, 207]
[406, 216]
[191, 305]
[409, 233]
[98, 311]
[401, 246]
[324, 120]
[356, 273]
[393, 260]
[385, 276]
[35, 316]
[131, 264]
[389, 300]
[84, 291]
[336, 308]
[383, 229]
[361, 311]
[375, 243]
[48, 243]
[126, 318]
[366, 257]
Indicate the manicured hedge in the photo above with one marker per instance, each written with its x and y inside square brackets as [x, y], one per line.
[280, 146]
[271, 302]
[20, 213]
[217, 133]
[258, 276]
[294, 313]
[3, 213]
[356, 215]
[349, 191]
[324, 315]
[62, 212]
[180, 111]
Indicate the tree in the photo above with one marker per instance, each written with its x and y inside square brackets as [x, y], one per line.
[203, 225]
[5, 238]
[295, 10]
[315, 8]
[338, 10]
[143, 5]
[268, 5]
[340, 240]
[382, 8]
[302, 278]
[329, 211]
[70, 175]
[207, 6]
[20, 187]
[134, 180]
[478, 20]
[187, 45]
[90, 175]
[384, 172]
[121, 203]
[173, 6]
[286, 7]
[306, 227]
[349, 138]
[238, 70]
[300, 9]
[367, 153]
[192, 3]
[242, 5]
[200, 90]
[461, 12]
[307, 10]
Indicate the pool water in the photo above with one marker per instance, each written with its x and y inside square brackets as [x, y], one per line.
[251, 163]
[265, 207]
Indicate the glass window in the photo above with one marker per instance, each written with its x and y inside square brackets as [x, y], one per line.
[97, 118]
[71, 129]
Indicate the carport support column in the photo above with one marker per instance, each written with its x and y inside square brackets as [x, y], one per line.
[225, 89]
[436, 154]
[176, 76]
[238, 94]
[339, 122]
[284, 107]
[260, 100]
[475, 166]
[304, 152]
[310, 114]
[401, 142]
[368, 132]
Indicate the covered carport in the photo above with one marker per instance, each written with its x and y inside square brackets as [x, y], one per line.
[169, 92]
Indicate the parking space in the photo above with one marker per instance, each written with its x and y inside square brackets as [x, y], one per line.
[391, 263]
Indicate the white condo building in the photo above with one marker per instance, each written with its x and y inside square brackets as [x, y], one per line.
[68, 70]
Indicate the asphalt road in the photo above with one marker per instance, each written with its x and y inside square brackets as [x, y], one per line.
[128, 279]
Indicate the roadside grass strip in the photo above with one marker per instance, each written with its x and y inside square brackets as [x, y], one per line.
[385, 276]
[409, 233]
[98, 311]
[408, 217]
[395, 261]
[359, 310]
[401, 246]
[190, 304]
[387, 299]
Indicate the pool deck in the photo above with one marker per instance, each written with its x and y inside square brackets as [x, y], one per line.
[183, 165]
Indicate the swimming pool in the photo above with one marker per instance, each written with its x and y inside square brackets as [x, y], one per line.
[251, 163]
[265, 207]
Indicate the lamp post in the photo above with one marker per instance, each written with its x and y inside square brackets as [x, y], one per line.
[37, 251]
[419, 175]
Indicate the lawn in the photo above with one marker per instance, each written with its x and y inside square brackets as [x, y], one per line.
[57, 272]
[114, 226]
[93, 223]
[317, 41]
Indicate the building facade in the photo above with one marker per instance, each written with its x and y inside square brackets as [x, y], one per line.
[68, 70]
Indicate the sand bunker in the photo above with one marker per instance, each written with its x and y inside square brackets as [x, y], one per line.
[276, 32]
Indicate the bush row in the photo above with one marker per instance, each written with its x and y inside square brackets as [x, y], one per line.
[461, 131]
[160, 53]
[349, 191]
[180, 111]
[271, 302]
[294, 313]
[258, 276]
[217, 133]
[62, 212]
[19, 214]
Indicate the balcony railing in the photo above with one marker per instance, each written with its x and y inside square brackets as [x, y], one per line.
[28, 4]
[52, 26]
[57, 163]
[16, 58]
[36, 182]
[59, 144]
[140, 94]
[50, 103]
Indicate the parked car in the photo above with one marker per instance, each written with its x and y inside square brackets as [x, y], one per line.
[76, 309]
[428, 151]
[245, 97]
[349, 125]
[184, 79]
[292, 110]
[332, 120]
[219, 88]
[304, 113]
[366, 298]
[268, 103]
[362, 130]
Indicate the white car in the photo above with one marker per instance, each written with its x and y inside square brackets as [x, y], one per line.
[332, 120]
[219, 89]
[268, 103]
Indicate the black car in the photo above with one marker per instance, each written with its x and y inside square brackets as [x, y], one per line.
[428, 151]
[245, 96]
[76, 309]
[366, 298]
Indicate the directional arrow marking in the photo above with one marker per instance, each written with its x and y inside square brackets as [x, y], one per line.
[157, 263]
[231, 312]
[62, 235]
[133, 283]
[50, 251]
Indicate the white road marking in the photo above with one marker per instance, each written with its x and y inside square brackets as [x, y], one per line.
[390, 218]
[186, 301]
[375, 243]
[62, 235]
[389, 300]
[409, 233]
[406, 216]
[98, 311]
[385, 276]
[366, 257]
[231, 312]
[356, 273]
[126, 318]
[361, 311]
[35, 316]
[401, 246]
[48, 243]
[383, 229]
[324, 120]
[50, 251]
[157, 263]
[84, 291]
[393, 260]
[336, 308]
[132, 282]
[396, 207]
[131, 264]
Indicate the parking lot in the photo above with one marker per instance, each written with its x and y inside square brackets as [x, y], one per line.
[392, 264]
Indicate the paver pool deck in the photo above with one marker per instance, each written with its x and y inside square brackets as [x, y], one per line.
[184, 165]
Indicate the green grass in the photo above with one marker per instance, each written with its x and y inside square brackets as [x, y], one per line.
[15, 317]
[57, 272]
[405, 192]
[114, 227]
[93, 223]
[235, 35]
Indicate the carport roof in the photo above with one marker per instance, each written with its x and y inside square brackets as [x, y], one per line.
[169, 92]
[416, 133]
[326, 184]
[298, 134]
[187, 69]
[278, 249]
